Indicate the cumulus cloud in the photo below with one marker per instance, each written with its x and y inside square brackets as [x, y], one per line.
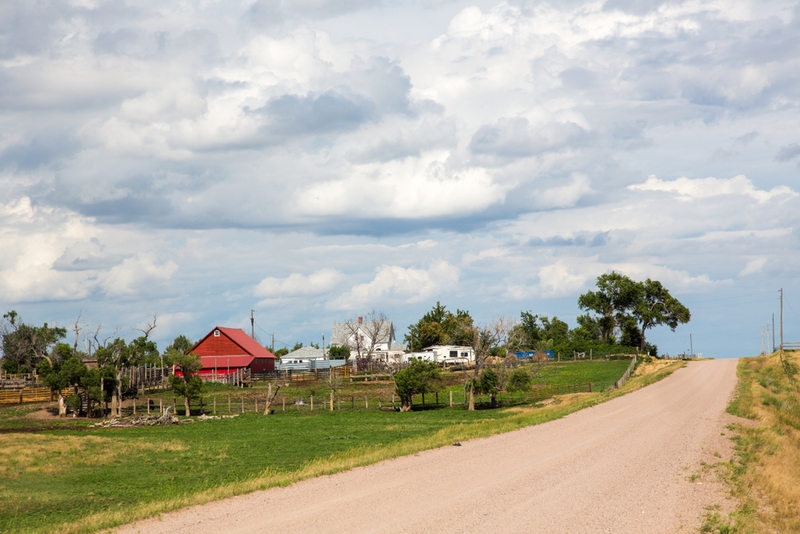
[298, 284]
[395, 284]
[688, 189]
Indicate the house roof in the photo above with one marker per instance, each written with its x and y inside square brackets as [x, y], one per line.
[305, 352]
[342, 331]
[240, 338]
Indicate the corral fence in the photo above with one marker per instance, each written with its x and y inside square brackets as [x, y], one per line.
[19, 381]
[287, 403]
[303, 375]
[37, 394]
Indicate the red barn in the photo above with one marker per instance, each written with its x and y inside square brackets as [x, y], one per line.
[226, 350]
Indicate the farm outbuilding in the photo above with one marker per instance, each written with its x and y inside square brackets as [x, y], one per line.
[227, 350]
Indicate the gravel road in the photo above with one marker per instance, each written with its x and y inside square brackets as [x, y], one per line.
[622, 466]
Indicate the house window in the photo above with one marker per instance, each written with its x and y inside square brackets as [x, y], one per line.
[453, 353]
[216, 333]
[465, 354]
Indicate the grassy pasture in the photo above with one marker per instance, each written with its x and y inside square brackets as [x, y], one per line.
[766, 472]
[81, 481]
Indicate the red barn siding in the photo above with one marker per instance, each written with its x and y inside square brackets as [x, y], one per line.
[218, 346]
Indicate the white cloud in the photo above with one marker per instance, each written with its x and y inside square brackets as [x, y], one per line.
[141, 274]
[298, 284]
[753, 266]
[395, 284]
[689, 189]
[413, 188]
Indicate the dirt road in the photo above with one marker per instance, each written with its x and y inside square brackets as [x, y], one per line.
[623, 466]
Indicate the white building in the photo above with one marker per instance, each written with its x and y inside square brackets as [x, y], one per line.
[373, 339]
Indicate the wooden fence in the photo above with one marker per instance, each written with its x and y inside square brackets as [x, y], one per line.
[21, 396]
[249, 403]
[626, 375]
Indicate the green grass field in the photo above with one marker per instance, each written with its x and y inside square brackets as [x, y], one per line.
[74, 480]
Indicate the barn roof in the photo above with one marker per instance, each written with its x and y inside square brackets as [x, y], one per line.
[239, 337]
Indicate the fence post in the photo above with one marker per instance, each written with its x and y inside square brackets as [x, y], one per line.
[366, 401]
[215, 405]
[161, 405]
[242, 404]
[312, 403]
[451, 398]
[229, 404]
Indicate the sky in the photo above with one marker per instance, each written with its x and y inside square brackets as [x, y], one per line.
[313, 160]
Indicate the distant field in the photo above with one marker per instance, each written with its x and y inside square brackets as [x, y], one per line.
[58, 480]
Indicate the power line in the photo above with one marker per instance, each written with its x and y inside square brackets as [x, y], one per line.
[732, 304]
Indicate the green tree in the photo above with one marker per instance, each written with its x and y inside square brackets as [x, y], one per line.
[655, 307]
[488, 384]
[61, 374]
[189, 385]
[616, 295]
[179, 345]
[116, 357]
[588, 329]
[25, 346]
[338, 352]
[283, 351]
[440, 327]
[419, 377]
[532, 330]
[518, 380]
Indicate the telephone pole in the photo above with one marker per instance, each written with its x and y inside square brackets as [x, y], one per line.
[781, 324]
[691, 349]
[773, 331]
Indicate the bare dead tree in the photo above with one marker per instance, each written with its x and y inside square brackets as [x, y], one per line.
[271, 394]
[377, 330]
[334, 381]
[484, 337]
[150, 326]
[502, 326]
[77, 327]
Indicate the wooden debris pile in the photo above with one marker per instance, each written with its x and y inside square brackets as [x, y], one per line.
[142, 420]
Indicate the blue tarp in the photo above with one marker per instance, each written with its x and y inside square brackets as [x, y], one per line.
[529, 354]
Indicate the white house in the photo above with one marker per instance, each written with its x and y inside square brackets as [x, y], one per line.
[303, 355]
[367, 338]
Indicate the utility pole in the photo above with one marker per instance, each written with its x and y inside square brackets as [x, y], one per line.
[691, 349]
[273, 343]
[773, 331]
[252, 325]
[766, 342]
[781, 324]
[763, 347]
[323, 347]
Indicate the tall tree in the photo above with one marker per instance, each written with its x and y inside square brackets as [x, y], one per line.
[532, 331]
[116, 357]
[62, 373]
[25, 346]
[440, 327]
[189, 385]
[655, 307]
[616, 295]
[419, 377]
